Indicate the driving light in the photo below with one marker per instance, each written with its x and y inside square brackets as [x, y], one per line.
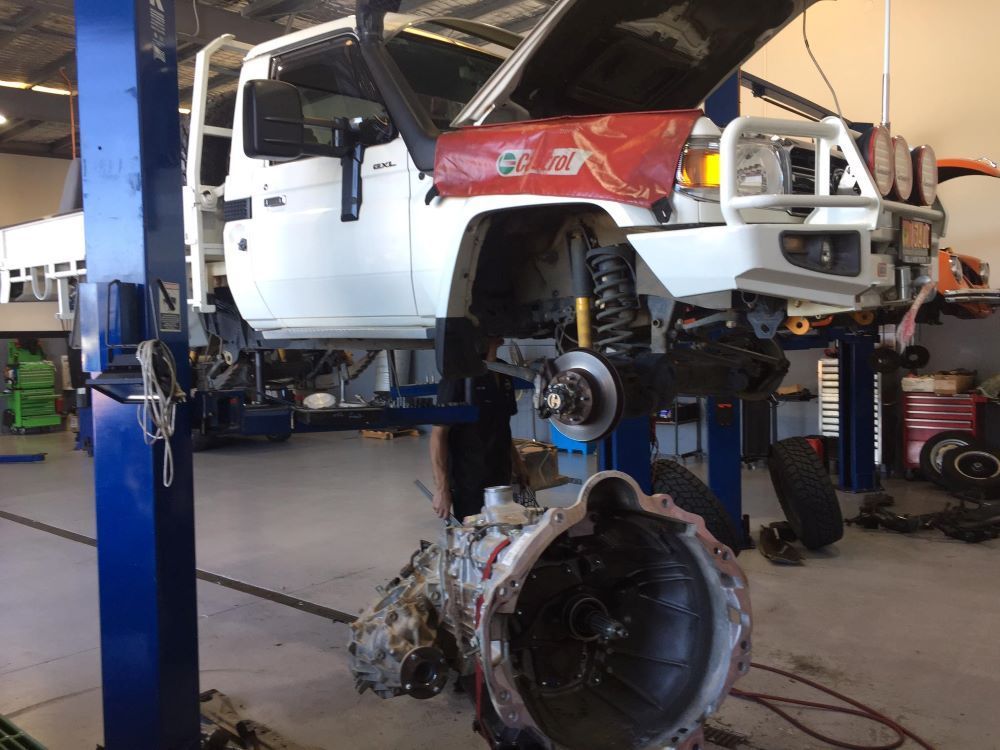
[3, 120]
[903, 168]
[700, 165]
[956, 268]
[760, 168]
[926, 175]
[879, 156]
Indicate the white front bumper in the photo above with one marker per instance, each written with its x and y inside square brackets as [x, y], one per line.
[748, 258]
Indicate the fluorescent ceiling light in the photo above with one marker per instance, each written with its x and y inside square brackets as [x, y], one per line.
[13, 84]
[184, 110]
[50, 90]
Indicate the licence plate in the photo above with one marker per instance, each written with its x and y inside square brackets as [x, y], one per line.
[916, 236]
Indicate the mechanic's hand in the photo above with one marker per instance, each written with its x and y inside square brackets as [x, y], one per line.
[442, 503]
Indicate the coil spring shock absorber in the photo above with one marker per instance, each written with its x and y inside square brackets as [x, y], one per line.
[617, 302]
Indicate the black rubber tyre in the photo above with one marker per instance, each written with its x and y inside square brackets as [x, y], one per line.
[916, 357]
[806, 494]
[279, 437]
[975, 468]
[694, 496]
[885, 360]
[934, 450]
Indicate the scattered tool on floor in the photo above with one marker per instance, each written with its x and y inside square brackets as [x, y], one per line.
[972, 520]
[22, 458]
[776, 544]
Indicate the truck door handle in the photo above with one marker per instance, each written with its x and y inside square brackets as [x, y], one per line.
[273, 202]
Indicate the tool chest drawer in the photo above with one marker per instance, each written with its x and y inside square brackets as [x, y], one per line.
[925, 415]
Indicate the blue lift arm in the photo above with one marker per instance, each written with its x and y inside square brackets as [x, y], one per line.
[127, 62]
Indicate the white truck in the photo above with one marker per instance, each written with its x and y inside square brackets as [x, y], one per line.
[389, 181]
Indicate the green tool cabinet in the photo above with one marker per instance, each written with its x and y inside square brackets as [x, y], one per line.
[30, 390]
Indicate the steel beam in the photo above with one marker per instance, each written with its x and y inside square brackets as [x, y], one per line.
[33, 105]
[132, 187]
[23, 23]
[213, 22]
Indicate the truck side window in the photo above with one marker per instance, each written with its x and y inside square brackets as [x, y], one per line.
[333, 82]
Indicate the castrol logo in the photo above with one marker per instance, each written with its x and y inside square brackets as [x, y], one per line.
[559, 162]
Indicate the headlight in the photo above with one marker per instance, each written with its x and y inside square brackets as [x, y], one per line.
[903, 168]
[984, 273]
[879, 156]
[926, 173]
[956, 268]
[762, 168]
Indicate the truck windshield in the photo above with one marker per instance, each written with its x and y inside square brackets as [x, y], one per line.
[444, 74]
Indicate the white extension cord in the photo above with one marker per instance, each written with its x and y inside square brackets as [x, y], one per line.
[159, 403]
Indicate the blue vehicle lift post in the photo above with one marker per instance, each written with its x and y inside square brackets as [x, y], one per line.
[127, 62]
[857, 414]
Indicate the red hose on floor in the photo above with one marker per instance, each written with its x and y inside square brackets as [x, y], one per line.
[860, 709]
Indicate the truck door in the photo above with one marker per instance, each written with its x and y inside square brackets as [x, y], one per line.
[313, 269]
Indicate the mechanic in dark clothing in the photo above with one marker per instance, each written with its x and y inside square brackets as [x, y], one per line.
[468, 458]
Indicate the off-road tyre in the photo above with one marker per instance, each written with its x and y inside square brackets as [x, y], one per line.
[694, 496]
[935, 448]
[974, 469]
[806, 494]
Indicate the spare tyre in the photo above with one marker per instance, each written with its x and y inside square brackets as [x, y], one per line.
[691, 494]
[974, 468]
[806, 493]
[934, 449]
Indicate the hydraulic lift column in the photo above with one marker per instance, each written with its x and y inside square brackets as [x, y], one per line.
[136, 289]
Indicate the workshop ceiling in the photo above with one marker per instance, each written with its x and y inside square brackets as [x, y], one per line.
[37, 51]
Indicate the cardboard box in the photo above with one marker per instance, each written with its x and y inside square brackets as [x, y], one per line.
[918, 384]
[952, 383]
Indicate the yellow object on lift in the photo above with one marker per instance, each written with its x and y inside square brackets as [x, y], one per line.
[798, 325]
[864, 317]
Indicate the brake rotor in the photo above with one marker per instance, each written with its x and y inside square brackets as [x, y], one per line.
[585, 396]
[916, 357]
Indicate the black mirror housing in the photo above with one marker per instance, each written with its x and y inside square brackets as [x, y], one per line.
[273, 124]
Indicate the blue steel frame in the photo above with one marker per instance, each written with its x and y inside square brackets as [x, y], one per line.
[127, 63]
[725, 456]
[857, 415]
[627, 449]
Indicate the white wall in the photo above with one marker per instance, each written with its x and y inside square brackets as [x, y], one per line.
[30, 187]
[944, 58]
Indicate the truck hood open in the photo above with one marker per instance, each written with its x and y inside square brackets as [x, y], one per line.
[592, 57]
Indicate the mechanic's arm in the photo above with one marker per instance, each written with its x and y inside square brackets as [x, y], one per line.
[439, 464]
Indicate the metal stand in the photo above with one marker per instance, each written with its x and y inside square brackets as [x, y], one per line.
[126, 54]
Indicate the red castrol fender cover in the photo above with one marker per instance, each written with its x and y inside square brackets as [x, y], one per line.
[626, 158]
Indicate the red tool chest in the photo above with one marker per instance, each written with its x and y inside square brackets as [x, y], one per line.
[925, 415]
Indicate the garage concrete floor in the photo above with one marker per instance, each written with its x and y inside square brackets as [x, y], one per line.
[906, 624]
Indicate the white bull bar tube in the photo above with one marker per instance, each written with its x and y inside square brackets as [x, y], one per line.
[831, 132]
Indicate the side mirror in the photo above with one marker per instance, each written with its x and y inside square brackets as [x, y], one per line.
[273, 125]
